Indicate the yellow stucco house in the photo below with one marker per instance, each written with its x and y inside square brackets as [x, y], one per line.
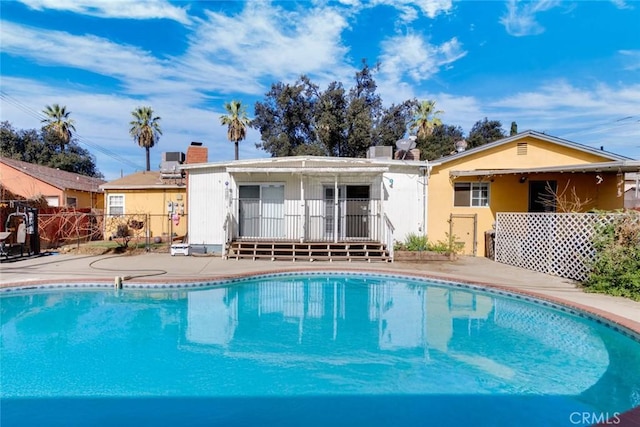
[148, 196]
[521, 173]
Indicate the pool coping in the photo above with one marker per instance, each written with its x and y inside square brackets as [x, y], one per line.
[622, 324]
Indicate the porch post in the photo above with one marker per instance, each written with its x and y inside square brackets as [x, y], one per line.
[380, 226]
[335, 209]
[301, 235]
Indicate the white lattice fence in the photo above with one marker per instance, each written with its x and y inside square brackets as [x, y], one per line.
[552, 243]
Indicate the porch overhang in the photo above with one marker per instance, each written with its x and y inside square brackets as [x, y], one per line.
[312, 170]
[606, 167]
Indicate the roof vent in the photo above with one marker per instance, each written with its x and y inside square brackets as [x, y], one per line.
[522, 148]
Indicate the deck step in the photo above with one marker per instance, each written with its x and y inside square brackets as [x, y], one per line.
[368, 251]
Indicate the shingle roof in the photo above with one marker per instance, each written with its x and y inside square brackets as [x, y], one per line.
[60, 179]
[555, 140]
[143, 180]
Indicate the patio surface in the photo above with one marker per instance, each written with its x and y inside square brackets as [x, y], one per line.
[163, 268]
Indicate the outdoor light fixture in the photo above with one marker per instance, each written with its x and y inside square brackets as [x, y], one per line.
[523, 179]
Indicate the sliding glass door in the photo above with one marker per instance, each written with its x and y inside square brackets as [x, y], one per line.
[261, 211]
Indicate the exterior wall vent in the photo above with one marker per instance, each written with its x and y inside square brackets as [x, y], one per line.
[522, 148]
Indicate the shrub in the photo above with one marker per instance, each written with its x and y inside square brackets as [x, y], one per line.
[616, 267]
[415, 242]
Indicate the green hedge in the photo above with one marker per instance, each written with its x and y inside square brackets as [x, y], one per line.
[616, 267]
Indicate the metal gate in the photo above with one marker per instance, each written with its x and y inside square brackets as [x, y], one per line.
[464, 229]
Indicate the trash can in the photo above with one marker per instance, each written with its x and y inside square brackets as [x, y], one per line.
[489, 244]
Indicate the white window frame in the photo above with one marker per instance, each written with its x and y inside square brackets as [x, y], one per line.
[476, 200]
[111, 205]
[52, 201]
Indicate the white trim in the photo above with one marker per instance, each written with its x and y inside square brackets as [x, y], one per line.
[341, 164]
[471, 185]
[108, 202]
[314, 171]
[621, 166]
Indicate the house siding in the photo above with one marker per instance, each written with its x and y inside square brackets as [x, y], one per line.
[29, 187]
[507, 194]
[208, 205]
[210, 201]
[153, 202]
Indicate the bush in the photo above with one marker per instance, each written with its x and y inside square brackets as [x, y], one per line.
[616, 267]
[414, 242]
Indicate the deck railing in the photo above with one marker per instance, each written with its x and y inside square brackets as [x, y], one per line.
[309, 220]
[388, 232]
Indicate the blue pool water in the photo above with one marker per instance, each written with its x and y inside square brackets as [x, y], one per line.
[320, 349]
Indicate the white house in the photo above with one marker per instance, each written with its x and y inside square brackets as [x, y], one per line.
[304, 201]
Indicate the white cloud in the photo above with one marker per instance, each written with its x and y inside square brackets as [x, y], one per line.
[90, 53]
[139, 9]
[102, 121]
[520, 18]
[410, 9]
[588, 115]
[631, 59]
[598, 115]
[278, 43]
[621, 4]
[412, 56]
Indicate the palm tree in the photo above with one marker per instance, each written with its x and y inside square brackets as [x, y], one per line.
[58, 123]
[237, 121]
[425, 119]
[145, 129]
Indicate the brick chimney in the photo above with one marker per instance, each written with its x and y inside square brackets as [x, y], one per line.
[196, 153]
[413, 154]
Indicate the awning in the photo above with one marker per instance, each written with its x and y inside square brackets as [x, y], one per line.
[625, 166]
[314, 171]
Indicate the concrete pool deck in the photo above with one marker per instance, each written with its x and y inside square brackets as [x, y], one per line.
[163, 268]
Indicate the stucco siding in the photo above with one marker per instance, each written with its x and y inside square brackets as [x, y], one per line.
[153, 204]
[27, 186]
[507, 193]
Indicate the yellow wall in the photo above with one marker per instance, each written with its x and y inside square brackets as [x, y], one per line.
[153, 202]
[506, 193]
[84, 199]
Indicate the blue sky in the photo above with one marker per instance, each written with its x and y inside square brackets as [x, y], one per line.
[567, 68]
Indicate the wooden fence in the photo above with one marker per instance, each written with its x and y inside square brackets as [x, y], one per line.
[559, 244]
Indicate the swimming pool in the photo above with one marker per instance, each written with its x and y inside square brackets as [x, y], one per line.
[308, 349]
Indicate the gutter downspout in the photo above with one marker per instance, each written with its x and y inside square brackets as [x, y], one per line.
[425, 204]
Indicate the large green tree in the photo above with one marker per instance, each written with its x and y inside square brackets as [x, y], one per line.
[297, 119]
[484, 132]
[285, 119]
[363, 112]
[145, 129]
[43, 148]
[331, 120]
[237, 123]
[425, 119]
[392, 126]
[58, 123]
[441, 142]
